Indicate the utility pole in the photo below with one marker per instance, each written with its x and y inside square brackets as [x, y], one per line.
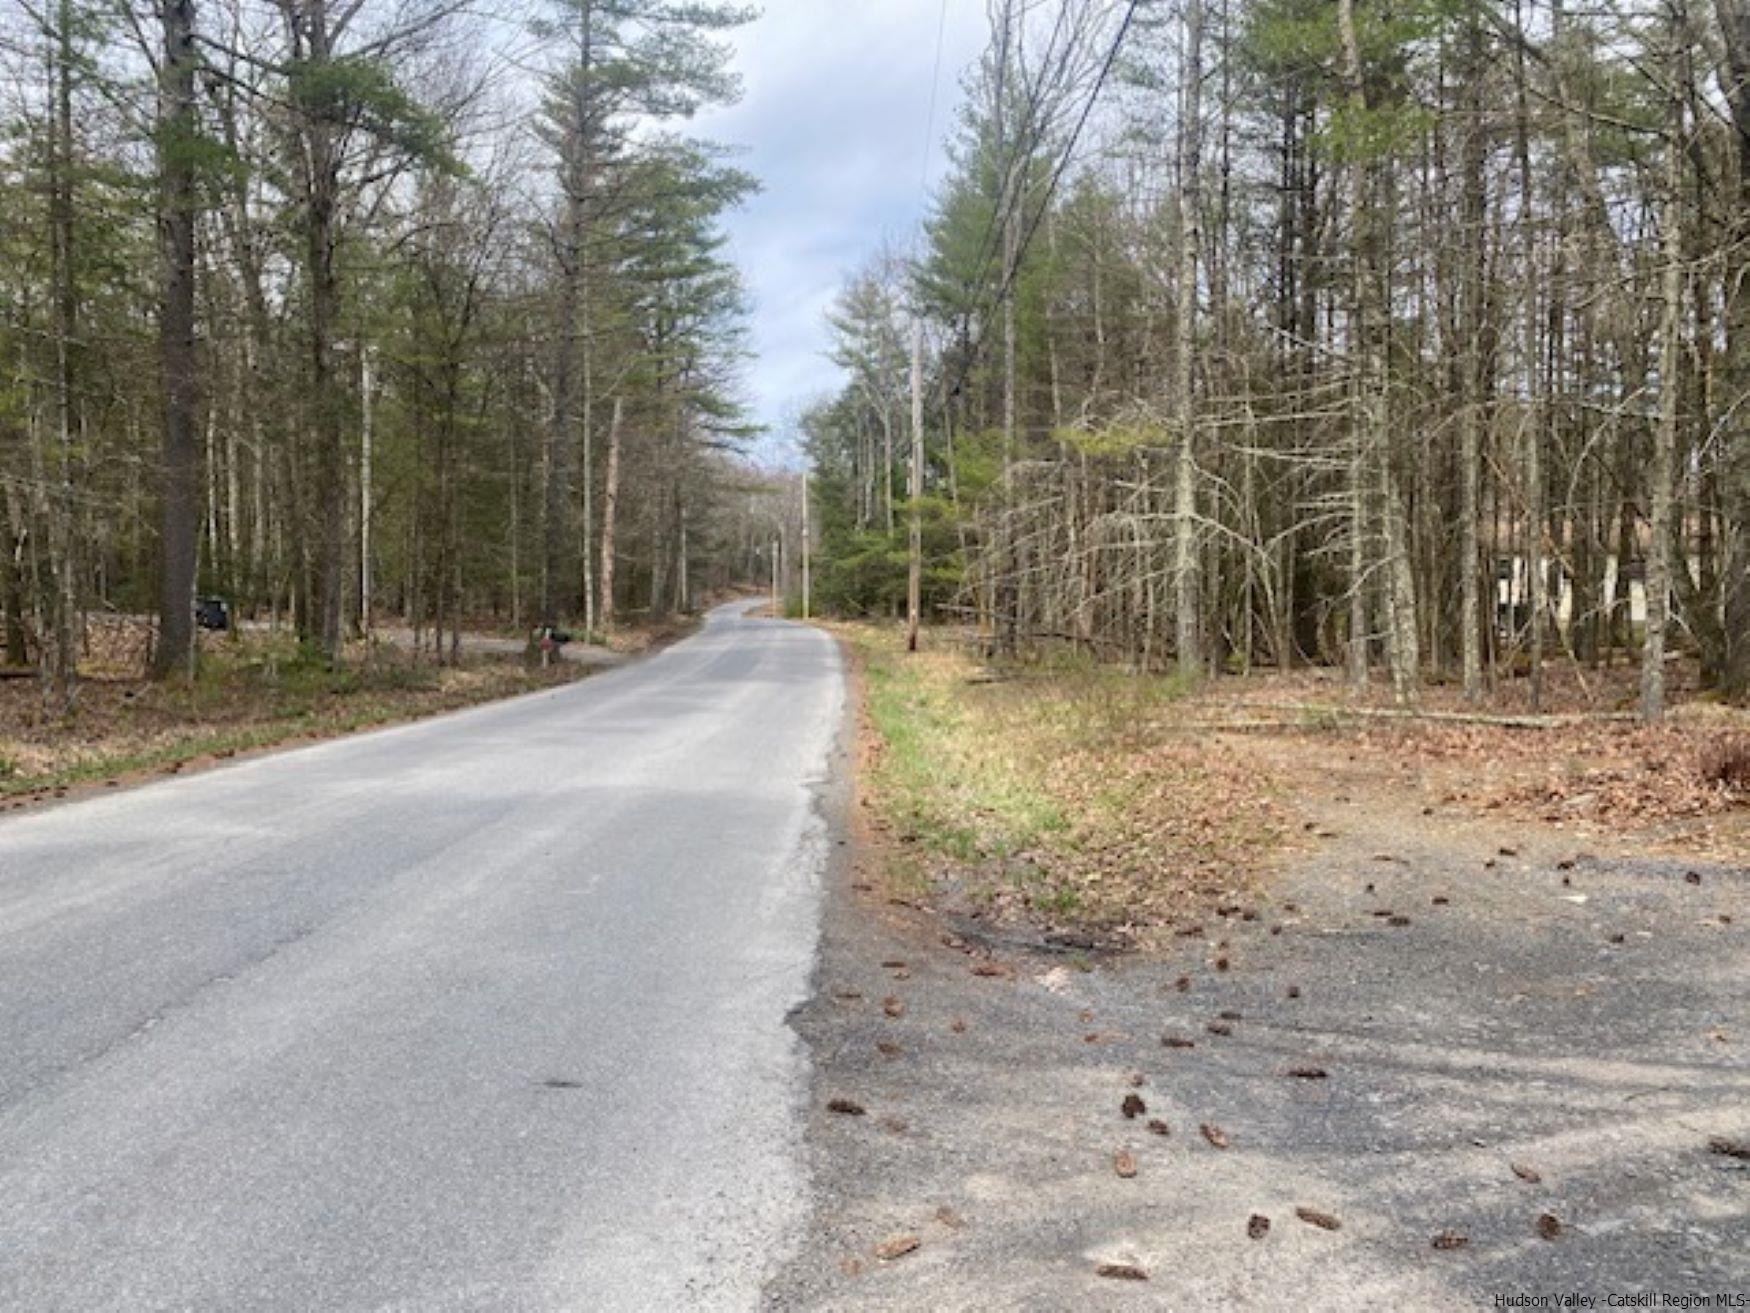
[915, 576]
[365, 491]
[776, 613]
[805, 546]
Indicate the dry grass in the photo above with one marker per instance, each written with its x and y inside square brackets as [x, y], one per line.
[1044, 796]
[1725, 764]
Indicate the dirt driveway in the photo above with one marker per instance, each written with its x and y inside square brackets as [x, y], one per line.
[1496, 1062]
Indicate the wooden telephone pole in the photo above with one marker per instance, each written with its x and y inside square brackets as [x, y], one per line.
[805, 546]
[915, 576]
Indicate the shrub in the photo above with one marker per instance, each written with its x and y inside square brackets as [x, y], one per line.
[1726, 762]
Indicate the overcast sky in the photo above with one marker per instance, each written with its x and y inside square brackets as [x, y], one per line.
[834, 124]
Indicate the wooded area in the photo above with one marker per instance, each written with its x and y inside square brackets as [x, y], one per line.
[1413, 339]
[348, 309]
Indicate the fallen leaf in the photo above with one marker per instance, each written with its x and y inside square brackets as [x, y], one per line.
[1549, 1226]
[1294, 991]
[1133, 1106]
[1182, 984]
[1219, 1028]
[849, 1107]
[896, 1247]
[893, 1006]
[1124, 1164]
[989, 969]
[1257, 1225]
[1159, 1127]
[1450, 1240]
[887, 1048]
[1121, 1272]
[958, 1025]
[1221, 964]
[1316, 1217]
[1228, 1016]
[1530, 1175]
[1177, 1042]
[1398, 920]
[1729, 1147]
[894, 964]
[1214, 1134]
[1693, 877]
[949, 1218]
[1308, 1073]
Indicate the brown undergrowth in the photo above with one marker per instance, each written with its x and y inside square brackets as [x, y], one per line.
[1681, 787]
[1089, 805]
[254, 690]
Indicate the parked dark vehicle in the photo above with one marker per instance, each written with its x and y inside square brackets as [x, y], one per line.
[212, 613]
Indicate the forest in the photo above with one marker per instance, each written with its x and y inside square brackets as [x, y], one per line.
[350, 311]
[1409, 340]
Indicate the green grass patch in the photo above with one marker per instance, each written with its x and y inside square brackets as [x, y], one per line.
[966, 768]
[1053, 788]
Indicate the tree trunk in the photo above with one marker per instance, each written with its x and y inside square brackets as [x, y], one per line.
[1471, 310]
[1185, 535]
[175, 653]
[60, 664]
[575, 178]
[1363, 435]
[1660, 475]
[1734, 549]
[610, 516]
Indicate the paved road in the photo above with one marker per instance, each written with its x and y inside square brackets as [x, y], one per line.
[485, 1012]
[1583, 1016]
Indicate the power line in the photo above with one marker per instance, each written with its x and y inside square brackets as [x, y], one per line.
[1007, 286]
[1032, 130]
[935, 89]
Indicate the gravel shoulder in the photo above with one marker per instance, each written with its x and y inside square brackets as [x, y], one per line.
[1540, 1033]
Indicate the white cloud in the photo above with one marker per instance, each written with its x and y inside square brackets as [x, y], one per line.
[833, 124]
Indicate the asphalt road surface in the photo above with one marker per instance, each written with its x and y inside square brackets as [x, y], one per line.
[483, 1012]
